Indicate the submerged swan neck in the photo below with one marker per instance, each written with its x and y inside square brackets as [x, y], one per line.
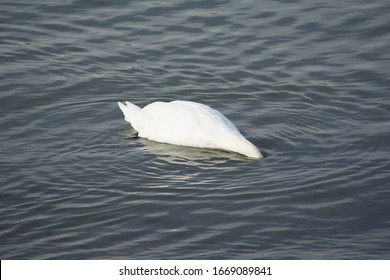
[243, 147]
[249, 150]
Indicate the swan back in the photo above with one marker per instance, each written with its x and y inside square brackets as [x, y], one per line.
[188, 123]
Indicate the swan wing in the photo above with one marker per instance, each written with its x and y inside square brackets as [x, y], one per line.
[184, 123]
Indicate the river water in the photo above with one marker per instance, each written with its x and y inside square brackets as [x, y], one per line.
[306, 81]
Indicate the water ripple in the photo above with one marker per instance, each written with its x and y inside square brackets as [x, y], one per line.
[307, 84]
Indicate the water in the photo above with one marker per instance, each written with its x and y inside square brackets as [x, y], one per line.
[306, 81]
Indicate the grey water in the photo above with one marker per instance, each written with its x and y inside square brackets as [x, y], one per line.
[308, 82]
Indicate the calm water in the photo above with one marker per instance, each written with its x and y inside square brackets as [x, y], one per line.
[308, 82]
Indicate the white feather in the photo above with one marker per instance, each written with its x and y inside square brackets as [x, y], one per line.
[187, 123]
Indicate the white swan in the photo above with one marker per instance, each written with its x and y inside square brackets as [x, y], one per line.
[187, 123]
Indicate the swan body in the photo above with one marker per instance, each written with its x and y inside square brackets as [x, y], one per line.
[187, 123]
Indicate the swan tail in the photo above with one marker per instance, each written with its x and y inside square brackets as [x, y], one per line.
[131, 113]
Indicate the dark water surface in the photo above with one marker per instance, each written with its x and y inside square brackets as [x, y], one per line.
[308, 82]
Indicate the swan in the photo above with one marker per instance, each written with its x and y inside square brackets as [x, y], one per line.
[187, 123]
